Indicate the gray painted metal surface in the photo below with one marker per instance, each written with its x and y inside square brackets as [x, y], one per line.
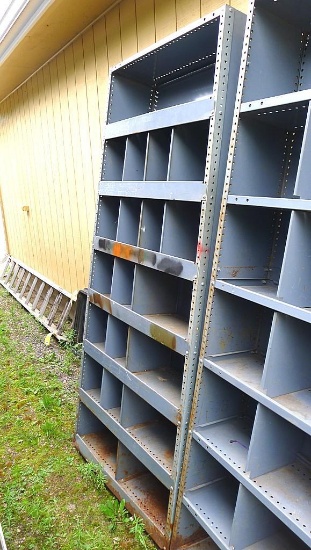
[246, 479]
[166, 142]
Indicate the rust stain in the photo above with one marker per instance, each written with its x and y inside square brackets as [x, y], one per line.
[178, 416]
[226, 338]
[163, 336]
[149, 504]
[222, 344]
[169, 454]
[235, 272]
[141, 256]
[125, 251]
[100, 301]
[199, 537]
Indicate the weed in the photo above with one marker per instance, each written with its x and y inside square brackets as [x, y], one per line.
[49, 429]
[70, 342]
[93, 474]
[49, 402]
[138, 530]
[115, 511]
[117, 514]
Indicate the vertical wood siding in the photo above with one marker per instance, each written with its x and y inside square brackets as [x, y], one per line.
[51, 132]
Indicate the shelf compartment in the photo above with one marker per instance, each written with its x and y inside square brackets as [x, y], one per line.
[188, 87]
[158, 152]
[279, 464]
[165, 384]
[111, 419]
[165, 366]
[245, 370]
[267, 152]
[96, 325]
[224, 420]
[151, 225]
[189, 535]
[127, 466]
[256, 528]
[169, 330]
[157, 368]
[92, 373]
[123, 278]
[279, 28]
[135, 157]
[160, 387]
[142, 351]
[116, 338]
[160, 293]
[261, 234]
[110, 395]
[185, 269]
[100, 442]
[213, 504]
[149, 499]
[107, 217]
[264, 295]
[238, 326]
[149, 428]
[292, 289]
[287, 367]
[143, 493]
[159, 78]
[113, 161]
[129, 219]
[210, 495]
[180, 238]
[188, 153]
[102, 269]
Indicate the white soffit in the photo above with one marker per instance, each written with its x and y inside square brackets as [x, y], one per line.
[17, 17]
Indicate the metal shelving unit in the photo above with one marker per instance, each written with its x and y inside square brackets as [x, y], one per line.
[247, 474]
[166, 142]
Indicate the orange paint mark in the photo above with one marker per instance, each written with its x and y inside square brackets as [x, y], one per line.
[124, 251]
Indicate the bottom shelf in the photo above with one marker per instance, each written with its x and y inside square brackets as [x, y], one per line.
[150, 497]
[128, 479]
[103, 447]
[205, 544]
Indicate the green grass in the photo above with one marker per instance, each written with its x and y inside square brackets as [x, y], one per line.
[50, 499]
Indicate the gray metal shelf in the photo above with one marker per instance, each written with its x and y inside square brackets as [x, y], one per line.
[159, 386]
[249, 440]
[166, 141]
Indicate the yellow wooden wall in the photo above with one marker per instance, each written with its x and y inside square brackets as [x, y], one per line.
[51, 136]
